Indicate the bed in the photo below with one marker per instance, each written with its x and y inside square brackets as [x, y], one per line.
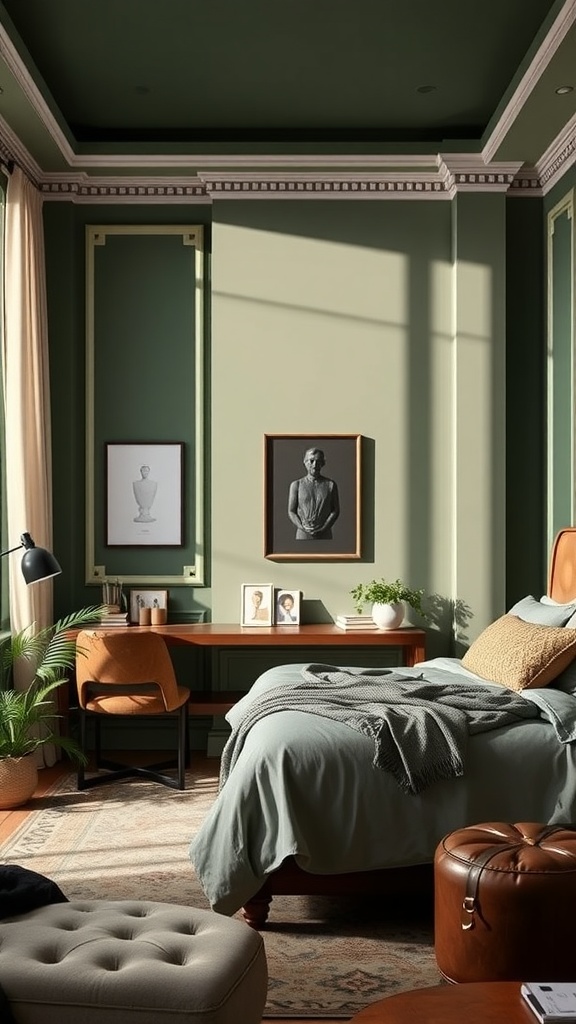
[302, 808]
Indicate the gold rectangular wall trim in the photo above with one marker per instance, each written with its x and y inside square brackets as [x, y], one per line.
[99, 560]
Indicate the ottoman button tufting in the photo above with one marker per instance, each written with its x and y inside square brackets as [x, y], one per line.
[90, 962]
[505, 899]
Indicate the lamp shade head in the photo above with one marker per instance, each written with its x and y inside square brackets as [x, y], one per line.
[37, 563]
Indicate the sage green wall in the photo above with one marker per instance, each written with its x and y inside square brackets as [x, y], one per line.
[479, 284]
[385, 319]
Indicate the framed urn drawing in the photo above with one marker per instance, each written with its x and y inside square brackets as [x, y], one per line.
[312, 496]
[144, 494]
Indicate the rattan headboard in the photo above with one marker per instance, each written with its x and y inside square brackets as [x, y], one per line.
[562, 572]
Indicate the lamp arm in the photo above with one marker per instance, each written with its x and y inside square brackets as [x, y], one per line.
[10, 550]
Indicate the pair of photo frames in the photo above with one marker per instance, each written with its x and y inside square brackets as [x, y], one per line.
[263, 604]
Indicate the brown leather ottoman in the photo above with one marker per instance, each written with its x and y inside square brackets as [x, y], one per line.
[505, 903]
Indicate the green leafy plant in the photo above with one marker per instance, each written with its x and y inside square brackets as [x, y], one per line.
[383, 592]
[27, 717]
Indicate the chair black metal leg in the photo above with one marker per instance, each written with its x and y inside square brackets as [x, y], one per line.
[97, 742]
[182, 744]
[114, 770]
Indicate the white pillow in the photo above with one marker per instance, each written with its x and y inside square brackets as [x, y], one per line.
[544, 612]
[571, 624]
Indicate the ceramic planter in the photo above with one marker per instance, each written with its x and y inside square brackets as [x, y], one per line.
[388, 616]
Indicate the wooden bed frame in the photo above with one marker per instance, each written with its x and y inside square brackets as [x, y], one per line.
[291, 880]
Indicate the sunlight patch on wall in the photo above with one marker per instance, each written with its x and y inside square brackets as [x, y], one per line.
[440, 428]
[310, 276]
[479, 436]
[320, 306]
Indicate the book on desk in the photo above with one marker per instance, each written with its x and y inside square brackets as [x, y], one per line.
[362, 622]
[551, 1001]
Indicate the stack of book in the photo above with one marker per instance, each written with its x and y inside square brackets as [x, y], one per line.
[355, 622]
[114, 617]
[551, 1001]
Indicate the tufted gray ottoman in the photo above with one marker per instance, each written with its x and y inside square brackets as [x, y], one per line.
[131, 962]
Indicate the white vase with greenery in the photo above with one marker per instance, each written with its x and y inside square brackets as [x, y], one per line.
[388, 601]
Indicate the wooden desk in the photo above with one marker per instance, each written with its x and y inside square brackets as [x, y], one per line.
[489, 1002]
[213, 634]
[412, 641]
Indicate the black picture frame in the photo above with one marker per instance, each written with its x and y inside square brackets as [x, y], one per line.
[283, 467]
[128, 524]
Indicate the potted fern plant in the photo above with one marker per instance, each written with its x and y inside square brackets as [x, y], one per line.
[27, 717]
[388, 600]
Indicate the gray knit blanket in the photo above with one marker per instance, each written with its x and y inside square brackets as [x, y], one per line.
[419, 728]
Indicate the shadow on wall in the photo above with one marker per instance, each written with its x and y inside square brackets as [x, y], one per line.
[446, 619]
[449, 619]
[313, 612]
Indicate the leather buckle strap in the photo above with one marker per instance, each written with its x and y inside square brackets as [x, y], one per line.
[470, 901]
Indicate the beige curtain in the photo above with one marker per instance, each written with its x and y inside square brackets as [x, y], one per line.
[26, 400]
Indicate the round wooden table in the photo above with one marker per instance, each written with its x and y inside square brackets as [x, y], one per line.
[488, 1002]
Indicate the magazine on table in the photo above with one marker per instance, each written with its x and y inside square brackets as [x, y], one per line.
[551, 1000]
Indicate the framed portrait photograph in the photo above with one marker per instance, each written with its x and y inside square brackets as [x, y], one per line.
[287, 607]
[312, 496]
[144, 494]
[147, 599]
[257, 604]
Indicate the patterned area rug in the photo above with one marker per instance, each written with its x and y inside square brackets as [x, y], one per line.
[129, 840]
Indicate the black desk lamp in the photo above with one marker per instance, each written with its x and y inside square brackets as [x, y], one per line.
[37, 563]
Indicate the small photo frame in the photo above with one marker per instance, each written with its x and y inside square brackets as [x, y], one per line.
[148, 599]
[312, 497]
[257, 604]
[287, 607]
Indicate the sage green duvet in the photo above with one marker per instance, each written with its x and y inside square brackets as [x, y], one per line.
[305, 785]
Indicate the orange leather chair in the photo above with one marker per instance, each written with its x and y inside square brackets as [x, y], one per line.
[121, 672]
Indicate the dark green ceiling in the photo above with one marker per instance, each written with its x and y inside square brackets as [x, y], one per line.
[155, 76]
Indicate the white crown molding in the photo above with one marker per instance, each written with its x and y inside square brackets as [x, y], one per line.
[257, 161]
[122, 190]
[558, 158]
[17, 68]
[327, 185]
[463, 172]
[538, 65]
[17, 152]
[454, 173]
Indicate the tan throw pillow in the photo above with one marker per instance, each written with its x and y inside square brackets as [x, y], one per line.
[520, 654]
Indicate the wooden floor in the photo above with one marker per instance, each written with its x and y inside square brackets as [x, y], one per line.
[10, 820]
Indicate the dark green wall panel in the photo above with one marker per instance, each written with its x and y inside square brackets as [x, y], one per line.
[526, 554]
